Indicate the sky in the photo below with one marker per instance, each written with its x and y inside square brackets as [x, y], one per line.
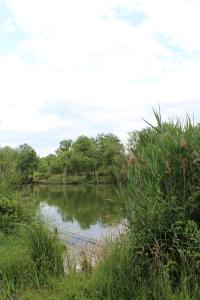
[77, 67]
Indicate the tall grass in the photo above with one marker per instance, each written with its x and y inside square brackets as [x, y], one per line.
[45, 251]
[15, 265]
[160, 257]
[29, 260]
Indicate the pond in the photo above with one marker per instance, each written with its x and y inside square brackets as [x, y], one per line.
[80, 213]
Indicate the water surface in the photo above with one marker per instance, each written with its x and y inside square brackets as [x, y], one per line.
[80, 212]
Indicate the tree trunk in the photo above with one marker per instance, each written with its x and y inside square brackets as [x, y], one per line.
[65, 175]
[96, 175]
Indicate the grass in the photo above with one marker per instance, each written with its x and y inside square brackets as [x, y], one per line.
[45, 250]
[15, 267]
[30, 259]
[163, 211]
[158, 257]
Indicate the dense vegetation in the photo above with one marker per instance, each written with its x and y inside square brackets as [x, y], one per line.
[29, 252]
[86, 160]
[157, 257]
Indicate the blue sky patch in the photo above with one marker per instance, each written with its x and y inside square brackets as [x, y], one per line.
[8, 40]
[170, 44]
[132, 16]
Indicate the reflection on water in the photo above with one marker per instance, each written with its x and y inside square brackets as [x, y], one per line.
[89, 211]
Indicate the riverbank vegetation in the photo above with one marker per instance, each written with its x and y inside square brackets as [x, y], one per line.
[85, 160]
[29, 252]
[156, 257]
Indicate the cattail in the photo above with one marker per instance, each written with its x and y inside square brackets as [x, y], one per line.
[196, 156]
[132, 159]
[184, 144]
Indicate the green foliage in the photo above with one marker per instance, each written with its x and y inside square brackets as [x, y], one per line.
[45, 250]
[89, 157]
[27, 162]
[109, 148]
[163, 209]
[15, 267]
[29, 252]
[158, 255]
[13, 213]
[83, 156]
[65, 145]
[9, 176]
[82, 144]
[80, 163]
[29, 261]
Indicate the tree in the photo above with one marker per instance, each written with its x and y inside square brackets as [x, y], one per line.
[9, 176]
[82, 144]
[63, 156]
[109, 148]
[84, 155]
[27, 162]
[65, 145]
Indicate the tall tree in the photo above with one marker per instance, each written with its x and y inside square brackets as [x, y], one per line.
[109, 148]
[27, 162]
[63, 155]
[9, 176]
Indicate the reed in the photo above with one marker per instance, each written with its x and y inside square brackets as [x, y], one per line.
[158, 257]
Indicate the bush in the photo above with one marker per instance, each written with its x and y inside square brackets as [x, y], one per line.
[13, 213]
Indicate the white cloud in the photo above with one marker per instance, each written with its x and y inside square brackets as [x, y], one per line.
[85, 55]
[177, 19]
[8, 25]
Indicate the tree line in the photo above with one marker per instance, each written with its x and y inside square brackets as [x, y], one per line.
[89, 157]
[100, 159]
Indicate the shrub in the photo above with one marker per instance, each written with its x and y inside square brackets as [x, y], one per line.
[12, 214]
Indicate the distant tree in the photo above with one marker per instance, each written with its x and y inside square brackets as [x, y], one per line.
[88, 156]
[9, 176]
[109, 148]
[43, 170]
[140, 137]
[63, 157]
[43, 166]
[27, 162]
[82, 144]
[84, 155]
[65, 145]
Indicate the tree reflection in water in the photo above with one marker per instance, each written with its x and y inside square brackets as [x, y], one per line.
[88, 205]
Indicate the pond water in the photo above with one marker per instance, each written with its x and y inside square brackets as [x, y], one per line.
[80, 213]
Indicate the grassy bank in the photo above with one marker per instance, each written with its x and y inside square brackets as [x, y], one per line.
[158, 256]
[29, 252]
